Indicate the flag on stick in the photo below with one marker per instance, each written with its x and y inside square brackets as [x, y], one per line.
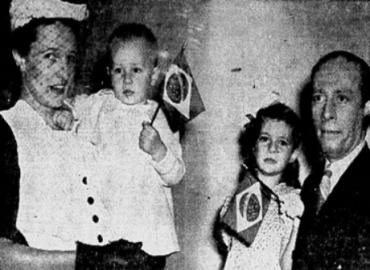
[247, 209]
[181, 99]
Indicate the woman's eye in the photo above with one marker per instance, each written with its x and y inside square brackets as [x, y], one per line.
[50, 56]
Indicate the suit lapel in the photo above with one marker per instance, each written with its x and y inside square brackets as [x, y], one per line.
[348, 182]
[310, 191]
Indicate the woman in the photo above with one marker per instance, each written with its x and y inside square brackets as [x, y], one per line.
[40, 232]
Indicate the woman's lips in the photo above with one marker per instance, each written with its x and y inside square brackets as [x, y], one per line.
[58, 89]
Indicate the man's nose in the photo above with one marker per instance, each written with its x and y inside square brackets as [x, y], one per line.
[329, 110]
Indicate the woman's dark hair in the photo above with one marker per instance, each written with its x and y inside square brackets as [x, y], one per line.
[251, 132]
[22, 38]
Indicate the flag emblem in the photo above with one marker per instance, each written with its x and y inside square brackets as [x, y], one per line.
[249, 205]
[178, 89]
[247, 209]
[179, 96]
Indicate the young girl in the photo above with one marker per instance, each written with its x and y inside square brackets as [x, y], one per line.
[269, 149]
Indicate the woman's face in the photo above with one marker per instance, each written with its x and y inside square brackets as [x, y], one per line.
[49, 68]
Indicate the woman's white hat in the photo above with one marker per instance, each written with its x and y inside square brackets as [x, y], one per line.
[23, 11]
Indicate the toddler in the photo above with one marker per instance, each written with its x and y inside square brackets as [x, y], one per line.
[134, 162]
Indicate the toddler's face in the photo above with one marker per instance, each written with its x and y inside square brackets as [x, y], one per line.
[131, 71]
[274, 147]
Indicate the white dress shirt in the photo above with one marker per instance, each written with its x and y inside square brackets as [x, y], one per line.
[338, 168]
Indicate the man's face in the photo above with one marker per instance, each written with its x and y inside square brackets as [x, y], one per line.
[49, 68]
[337, 108]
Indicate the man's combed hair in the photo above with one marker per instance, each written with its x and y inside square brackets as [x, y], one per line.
[363, 67]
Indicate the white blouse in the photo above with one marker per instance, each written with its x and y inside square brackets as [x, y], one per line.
[92, 184]
[51, 175]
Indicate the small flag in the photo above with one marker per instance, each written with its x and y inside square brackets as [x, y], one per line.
[182, 101]
[247, 209]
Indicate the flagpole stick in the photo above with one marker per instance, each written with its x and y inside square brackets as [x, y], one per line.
[155, 114]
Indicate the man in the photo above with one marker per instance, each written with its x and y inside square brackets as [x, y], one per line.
[335, 227]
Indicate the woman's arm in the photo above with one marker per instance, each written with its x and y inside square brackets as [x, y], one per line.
[21, 257]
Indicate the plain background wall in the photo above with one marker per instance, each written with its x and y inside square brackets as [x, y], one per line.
[242, 54]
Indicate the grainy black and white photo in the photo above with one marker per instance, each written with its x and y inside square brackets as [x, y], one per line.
[184, 134]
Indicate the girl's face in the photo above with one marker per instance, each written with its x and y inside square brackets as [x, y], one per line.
[274, 147]
[131, 71]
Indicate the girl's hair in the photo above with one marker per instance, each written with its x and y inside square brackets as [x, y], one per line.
[23, 37]
[251, 132]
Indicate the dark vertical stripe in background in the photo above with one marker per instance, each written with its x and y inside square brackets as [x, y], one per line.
[8, 72]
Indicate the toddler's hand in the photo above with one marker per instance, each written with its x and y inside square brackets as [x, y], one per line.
[150, 142]
[63, 119]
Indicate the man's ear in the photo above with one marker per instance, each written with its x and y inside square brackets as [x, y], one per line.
[155, 76]
[294, 156]
[19, 60]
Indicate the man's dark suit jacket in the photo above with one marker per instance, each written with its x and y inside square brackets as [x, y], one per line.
[338, 235]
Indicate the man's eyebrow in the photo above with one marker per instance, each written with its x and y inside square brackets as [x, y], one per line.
[345, 90]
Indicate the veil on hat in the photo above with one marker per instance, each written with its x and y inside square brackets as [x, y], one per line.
[23, 11]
